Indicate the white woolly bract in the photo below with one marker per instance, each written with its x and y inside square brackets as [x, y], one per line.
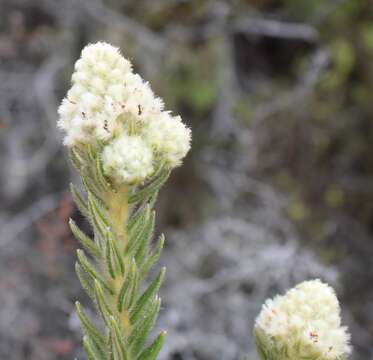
[169, 138]
[127, 159]
[304, 323]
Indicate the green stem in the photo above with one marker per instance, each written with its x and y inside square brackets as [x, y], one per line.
[118, 209]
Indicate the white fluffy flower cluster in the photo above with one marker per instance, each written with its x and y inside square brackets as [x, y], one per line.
[128, 159]
[305, 323]
[109, 103]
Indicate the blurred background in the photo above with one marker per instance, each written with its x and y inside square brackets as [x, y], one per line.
[278, 186]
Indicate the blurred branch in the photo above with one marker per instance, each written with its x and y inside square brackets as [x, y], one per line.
[44, 90]
[104, 14]
[277, 29]
[291, 99]
[23, 220]
[252, 26]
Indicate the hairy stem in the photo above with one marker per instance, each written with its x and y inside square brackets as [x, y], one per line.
[118, 210]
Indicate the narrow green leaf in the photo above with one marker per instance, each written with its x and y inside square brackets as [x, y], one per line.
[152, 259]
[90, 270]
[90, 172]
[147, 296]
[76, 159]
[137, 226]
[128, 290]
[152, 351]
[153, 199]
[132, 292]
[102, 352]
[100, 175]
[141, 331]
[79, 201]
[84, 281]
[144, 240]
[81, 153]
[88, 348]
[90, 186]
[96, 217]
[134, 216]
[117, 336]
[149, 189]
[138, 216]
[88, 328]
[91, 152]
[123, 292]
[99, 209]
[102, 305]
[113, 355]
[87, 243]
[112, 241]
[109, 260]
[160, 168]
[142, 237]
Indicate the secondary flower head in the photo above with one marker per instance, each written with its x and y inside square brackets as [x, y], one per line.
[169, 138]
[128, 159]
[109, 104]
[304, 323]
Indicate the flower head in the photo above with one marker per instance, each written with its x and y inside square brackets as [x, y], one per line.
[109, 104]
[303, 323]
[169, 138]
[104, 96]
[128, 159]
